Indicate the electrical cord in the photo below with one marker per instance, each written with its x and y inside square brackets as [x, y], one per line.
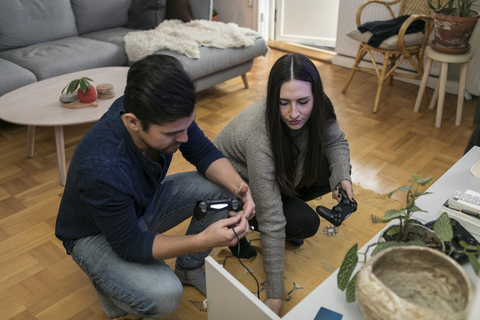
[238, 255]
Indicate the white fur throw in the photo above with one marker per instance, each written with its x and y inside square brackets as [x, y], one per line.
[185, 38]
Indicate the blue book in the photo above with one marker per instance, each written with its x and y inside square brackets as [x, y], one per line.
[327, 314]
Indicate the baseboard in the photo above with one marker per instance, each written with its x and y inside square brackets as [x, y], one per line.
[451, 86]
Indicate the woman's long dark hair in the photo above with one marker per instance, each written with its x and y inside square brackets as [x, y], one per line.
[285, 152]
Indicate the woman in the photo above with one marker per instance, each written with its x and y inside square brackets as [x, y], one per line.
[290, 149]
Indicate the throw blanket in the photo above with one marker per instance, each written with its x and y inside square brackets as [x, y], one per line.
[185, 38]
[383, 30]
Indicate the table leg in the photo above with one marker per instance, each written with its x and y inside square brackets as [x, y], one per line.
[30, 140]
[421, 90]
[61, 154]
[441, 94]
[434, 96]
[461, 93]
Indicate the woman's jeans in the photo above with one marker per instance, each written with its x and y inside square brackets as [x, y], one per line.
[150, 289]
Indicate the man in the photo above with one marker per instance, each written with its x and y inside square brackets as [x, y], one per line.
[118, 200]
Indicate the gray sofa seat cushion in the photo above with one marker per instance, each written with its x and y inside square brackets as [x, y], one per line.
[26, 22]
[13, 76]
[94, 15]
[72, 54]
[114, 35]
[213, 59]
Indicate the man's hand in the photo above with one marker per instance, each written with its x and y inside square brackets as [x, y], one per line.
[345, 185]
[274, 304]
[221, 234]
[248, 205]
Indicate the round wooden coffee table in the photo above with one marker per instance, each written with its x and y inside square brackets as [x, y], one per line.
[37, 104]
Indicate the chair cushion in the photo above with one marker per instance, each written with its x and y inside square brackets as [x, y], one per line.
[390, 43]
[50, 59]
[179, 9]
[23, 23]
[13, 76]
[94, 15]
[146, 14]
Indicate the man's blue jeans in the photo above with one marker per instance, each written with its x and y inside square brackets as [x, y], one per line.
[149, 289]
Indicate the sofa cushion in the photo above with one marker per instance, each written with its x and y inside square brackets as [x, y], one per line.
[26, 22]
[179, 9]
[213, 59]
[58, 57]
[94, 15]
[13, 76]
[146, 14]
[114, 35]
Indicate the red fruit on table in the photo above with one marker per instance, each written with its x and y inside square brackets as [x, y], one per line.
[90, 95]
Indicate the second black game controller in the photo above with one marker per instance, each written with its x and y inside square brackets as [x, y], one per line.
[461, 234]
[340, 212]
[202, 207]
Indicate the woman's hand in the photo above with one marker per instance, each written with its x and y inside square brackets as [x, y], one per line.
[345, 185]
[248, 205]
[273, 304]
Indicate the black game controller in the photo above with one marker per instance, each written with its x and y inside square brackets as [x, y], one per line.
[461, 234]
[210, 205]
[340, 212]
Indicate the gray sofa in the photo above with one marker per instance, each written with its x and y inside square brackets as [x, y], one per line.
[40, 39]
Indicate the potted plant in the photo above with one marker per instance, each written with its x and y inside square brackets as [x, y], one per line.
[401, 235]
[454, 25]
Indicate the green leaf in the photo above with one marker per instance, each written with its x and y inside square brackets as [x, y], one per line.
[474, 262]
[466, 245]
[418, 194]
[350, 293]
[393, 230]
[348, 265]
[385, 245]
[443, 228]
[415, 178]
[425, 181]
[73, 86]
[402, 188]
[392, 214]
[84, 85]
[417, 209]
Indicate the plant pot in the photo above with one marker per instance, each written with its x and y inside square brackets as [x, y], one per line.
[423, 232]
[453, 33]
[413, 282]
[215, 17]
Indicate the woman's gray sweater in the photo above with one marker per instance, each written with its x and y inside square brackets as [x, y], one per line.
[245, 142]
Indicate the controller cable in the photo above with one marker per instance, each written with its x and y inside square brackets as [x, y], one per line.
[238, 255]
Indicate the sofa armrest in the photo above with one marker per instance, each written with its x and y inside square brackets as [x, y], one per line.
[201, 9]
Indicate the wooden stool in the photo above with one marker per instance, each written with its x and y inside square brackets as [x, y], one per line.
[439, 92]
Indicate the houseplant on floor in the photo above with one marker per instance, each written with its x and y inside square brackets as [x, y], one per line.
[454, 25]
[401, 240]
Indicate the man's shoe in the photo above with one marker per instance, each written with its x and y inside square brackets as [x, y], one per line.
[195, 277]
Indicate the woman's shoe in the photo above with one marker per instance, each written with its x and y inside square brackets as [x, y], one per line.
[296, 243]
[246, 250]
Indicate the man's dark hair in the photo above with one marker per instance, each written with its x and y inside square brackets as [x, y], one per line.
[159, 91]
[285, 152]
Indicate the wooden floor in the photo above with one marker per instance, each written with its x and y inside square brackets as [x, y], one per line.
[39, 281]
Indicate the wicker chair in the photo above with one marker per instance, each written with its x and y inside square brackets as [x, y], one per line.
[396, 49]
